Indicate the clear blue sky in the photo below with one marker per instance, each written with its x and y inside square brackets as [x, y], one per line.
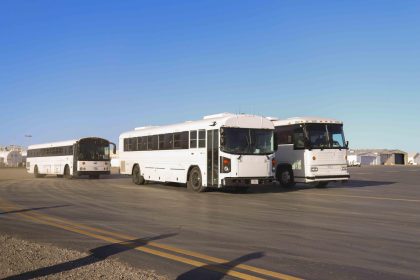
[75, 68]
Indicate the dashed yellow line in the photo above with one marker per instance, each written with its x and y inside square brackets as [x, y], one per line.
[112, 237]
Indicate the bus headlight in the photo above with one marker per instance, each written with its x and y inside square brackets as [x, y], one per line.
[226, 165]
[344, 168]
[314, 169]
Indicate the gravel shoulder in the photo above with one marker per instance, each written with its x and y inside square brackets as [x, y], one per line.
[21, 259]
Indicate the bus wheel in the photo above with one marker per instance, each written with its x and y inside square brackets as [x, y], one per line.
[137, 178]
[195, 182]
[36, 172]
[285, 177]
[67, 172]
[321, 185]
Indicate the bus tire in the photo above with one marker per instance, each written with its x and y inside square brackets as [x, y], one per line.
[136, 176]
[321, 185]
[36, 172]
[67, 172]
[195, 182]
[284, 176]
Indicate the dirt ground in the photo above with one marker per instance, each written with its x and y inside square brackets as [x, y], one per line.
[20, 259]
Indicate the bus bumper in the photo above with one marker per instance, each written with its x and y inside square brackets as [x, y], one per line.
[235, 181]
[329, 178]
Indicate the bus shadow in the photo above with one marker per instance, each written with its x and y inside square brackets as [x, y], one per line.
[361, 184]
[96, 255]
[273, 188]
[276, 188]
[217, 271]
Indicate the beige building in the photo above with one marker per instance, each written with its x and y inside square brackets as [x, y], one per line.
[381, 157]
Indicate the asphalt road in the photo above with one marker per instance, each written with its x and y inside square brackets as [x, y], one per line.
[368, 228]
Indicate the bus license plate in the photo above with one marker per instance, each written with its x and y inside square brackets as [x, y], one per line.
[254, 181]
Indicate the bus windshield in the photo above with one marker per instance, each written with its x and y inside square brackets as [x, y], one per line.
[247, 141]
[325, 136]
[93, 149]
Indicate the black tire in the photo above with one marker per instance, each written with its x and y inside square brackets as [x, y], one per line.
[94, 176]
[195, 182]
[67, 172]
[136, 176]
[36, 172]
[321, 185]
[284, 176]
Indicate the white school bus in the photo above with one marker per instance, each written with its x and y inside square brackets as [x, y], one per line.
[219, 150]
[310, 150]
[86, 156]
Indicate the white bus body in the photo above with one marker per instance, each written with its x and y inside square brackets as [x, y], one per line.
[310, 150]
[86, 156]
[219, 150]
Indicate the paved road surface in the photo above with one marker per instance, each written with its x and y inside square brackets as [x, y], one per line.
[366, 229]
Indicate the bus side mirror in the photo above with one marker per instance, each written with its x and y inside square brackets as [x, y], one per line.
[114, 150]
[347, 144]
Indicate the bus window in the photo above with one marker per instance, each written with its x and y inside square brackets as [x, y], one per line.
[193, 139]
[181, 140]
[202, 138]
[299, 138]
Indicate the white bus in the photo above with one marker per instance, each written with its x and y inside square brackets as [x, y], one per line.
[310, 150]
[86, 156]
[219, 150]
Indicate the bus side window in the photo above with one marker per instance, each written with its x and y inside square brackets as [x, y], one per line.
[202, 138]
[193, 139]
[181, 140]
[298, 138]
[284, 135]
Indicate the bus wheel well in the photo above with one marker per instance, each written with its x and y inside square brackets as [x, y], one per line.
[284, 174]
[282, 166]
[134, 166]
[189, 171]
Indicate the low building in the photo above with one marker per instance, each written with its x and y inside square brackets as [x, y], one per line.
[11, 156]
[414, 158]
[369, 158]
[380, 157]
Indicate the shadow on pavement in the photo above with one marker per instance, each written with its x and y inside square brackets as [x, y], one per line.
[33, 209]
[217, 271]
[361, 184]
[275, 188]
[271, 188]
[96, 255]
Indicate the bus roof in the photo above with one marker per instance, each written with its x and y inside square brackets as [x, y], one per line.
[298, 120]
[59, 143]
[208, 122]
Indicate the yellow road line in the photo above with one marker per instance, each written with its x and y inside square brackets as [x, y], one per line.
[365, 197]
[49, 220]
[177, 250]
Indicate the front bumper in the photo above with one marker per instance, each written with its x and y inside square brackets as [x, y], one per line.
[245, 181]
